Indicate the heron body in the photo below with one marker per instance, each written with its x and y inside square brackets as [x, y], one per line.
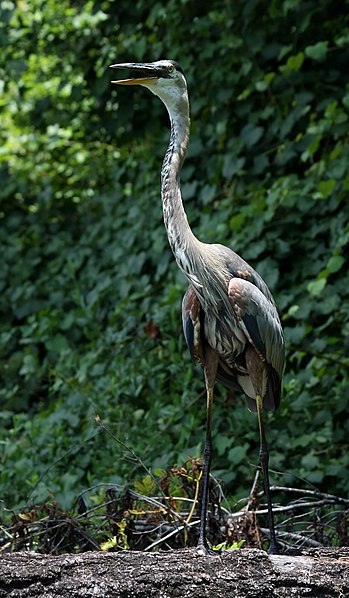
[230, 322]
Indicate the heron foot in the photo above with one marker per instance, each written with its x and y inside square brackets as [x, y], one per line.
[203, 549]
[273, 549]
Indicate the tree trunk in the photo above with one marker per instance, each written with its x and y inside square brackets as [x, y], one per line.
[321, 573]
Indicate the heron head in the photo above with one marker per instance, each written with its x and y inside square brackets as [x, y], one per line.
[164, 78]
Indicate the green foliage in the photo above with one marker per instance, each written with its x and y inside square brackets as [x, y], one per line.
[226, 546]
[90, 329]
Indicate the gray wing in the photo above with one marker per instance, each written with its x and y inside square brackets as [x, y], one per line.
[259, 320]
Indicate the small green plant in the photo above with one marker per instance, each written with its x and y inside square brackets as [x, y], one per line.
[120, 541]
[227, 546]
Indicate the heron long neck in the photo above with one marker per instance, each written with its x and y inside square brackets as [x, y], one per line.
[197, 260]
[180, 235]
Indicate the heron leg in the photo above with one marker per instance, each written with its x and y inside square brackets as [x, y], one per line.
[202, 543]
[210, 369]
[264, 460]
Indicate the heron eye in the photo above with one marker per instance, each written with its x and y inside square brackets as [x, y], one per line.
[170, 68]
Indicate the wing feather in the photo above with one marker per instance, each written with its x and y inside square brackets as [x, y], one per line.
[260, 321]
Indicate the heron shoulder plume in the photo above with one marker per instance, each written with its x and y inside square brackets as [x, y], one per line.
[230, 322]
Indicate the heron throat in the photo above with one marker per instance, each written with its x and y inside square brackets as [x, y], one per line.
[183, 243]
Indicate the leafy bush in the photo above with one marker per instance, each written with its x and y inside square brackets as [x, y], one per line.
[90, 294]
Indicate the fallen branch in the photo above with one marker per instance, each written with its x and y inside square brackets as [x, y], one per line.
[237, 574]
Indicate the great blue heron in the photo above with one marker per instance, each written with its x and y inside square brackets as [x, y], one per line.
[230, 321]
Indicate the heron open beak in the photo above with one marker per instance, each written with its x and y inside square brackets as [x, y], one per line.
[141, 73]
